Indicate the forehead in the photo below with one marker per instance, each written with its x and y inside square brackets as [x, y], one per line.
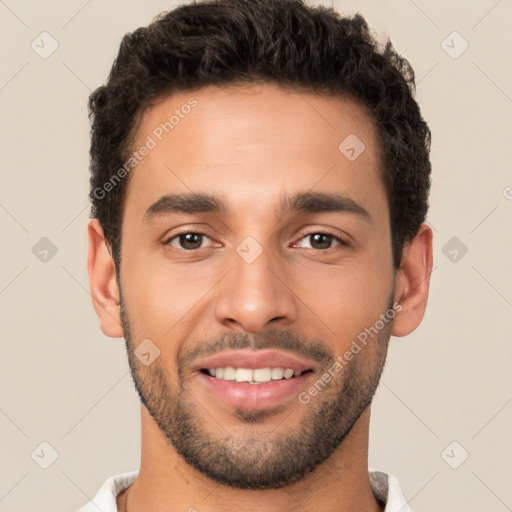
[252, 144]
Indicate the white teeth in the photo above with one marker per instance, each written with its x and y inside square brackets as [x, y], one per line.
[277, 373]
[243, 375]
[262, 375]
[229, 373]
[256, 376]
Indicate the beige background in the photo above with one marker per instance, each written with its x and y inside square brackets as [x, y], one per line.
[63, 382]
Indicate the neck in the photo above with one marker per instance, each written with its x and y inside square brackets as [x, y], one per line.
[339, 484]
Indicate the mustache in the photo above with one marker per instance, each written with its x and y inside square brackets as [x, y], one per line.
[287, 340]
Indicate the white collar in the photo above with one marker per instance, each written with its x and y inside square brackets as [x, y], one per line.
[385, 487]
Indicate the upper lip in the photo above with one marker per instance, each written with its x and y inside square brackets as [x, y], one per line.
[253, 359]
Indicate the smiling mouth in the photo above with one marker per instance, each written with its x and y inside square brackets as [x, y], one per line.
[253, 376]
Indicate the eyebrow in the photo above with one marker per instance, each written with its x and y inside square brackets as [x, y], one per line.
[306, 202]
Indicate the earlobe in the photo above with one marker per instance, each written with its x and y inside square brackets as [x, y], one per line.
[102, 282]
[412, 282]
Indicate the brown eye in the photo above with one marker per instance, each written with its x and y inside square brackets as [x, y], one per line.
[188, 241]
[320, 241]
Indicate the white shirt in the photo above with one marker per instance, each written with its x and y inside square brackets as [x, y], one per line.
[385, 488]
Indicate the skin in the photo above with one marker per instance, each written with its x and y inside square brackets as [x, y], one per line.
[251, 146]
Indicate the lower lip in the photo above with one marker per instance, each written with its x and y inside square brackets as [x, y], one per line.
[255, 396]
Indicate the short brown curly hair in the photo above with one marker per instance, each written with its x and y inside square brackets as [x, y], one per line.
[218, 42]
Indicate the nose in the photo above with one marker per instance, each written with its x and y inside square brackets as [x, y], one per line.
[255, 294]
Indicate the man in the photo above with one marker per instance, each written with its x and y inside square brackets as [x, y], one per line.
[260, 175]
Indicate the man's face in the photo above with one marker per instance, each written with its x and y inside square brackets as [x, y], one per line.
[285, 263]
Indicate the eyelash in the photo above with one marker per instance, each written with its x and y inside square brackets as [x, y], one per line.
[341, 241]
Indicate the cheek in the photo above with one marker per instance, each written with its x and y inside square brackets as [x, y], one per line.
[345, 300]
[163, 299]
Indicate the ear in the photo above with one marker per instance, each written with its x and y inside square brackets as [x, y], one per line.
[102, 281]
[412, 282]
